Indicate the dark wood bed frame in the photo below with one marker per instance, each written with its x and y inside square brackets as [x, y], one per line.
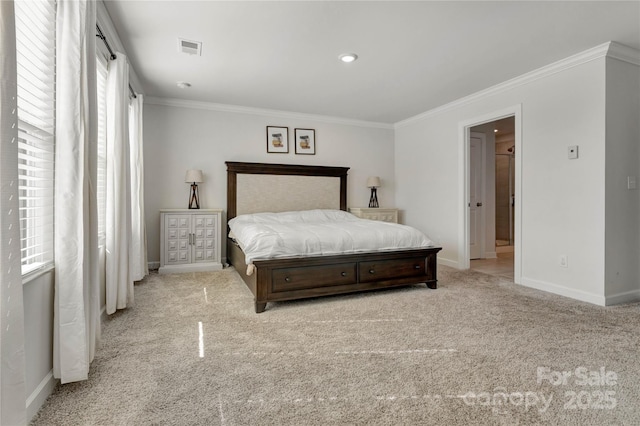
[302, 277]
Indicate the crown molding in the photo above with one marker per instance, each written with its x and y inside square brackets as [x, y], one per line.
[210, 106]
[624, 53]
[609, 49]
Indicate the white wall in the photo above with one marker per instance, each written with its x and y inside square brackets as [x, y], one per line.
[560, 108]
[180, 138]
[622, 160]
[38, 340]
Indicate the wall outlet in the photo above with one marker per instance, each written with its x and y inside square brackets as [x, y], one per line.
[573, 152]
[564, 261]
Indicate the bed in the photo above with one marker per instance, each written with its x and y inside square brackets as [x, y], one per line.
[260, 187]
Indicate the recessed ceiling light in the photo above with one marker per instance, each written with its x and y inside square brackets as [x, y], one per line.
[184, 85]
[348, 57]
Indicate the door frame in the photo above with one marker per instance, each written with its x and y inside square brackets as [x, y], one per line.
[464, 134]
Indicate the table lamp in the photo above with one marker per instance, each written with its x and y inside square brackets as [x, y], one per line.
[373, 182]
[193, 177]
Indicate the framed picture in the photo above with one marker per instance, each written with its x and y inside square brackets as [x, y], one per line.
[305, 141]
[277, 139]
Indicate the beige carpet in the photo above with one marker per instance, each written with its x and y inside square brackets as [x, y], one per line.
[475, 351]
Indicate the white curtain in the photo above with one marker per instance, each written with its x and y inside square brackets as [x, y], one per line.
[12, 374]
[119, 280]
[138, 229]
[77, 297]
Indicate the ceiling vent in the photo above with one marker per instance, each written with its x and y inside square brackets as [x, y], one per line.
[190, 47]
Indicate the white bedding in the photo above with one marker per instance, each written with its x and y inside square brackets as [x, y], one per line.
[318, 232]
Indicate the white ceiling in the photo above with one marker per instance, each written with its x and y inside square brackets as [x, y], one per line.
[414, 56]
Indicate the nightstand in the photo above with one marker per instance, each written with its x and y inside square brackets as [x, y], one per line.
[384, 215]
[191, 240]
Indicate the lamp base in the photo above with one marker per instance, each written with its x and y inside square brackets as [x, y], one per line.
[373, 201]
[193, 198]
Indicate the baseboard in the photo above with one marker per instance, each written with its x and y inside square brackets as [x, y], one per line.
[153, 266]
[625, 297]
[490, 255]
[448, 262]
[40, 394]
[560, 290]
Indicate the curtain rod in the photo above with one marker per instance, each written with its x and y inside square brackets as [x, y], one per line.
[101, 36]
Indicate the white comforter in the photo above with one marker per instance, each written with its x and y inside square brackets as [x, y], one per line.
[318, 232]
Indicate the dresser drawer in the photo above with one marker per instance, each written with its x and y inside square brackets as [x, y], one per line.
[386, 269]
[288, 279]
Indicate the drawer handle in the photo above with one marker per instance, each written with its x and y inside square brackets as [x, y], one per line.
[287, 279]
[344, 274]
[417, 266]
[371, 271]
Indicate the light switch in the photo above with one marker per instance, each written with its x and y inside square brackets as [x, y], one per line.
[632, 182]
[573, 152]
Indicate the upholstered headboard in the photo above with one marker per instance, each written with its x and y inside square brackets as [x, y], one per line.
[262, 187]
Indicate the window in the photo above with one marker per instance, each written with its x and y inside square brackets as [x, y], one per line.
[36, 44]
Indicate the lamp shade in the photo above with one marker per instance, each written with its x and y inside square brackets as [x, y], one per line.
[373, 182]
[193, 176]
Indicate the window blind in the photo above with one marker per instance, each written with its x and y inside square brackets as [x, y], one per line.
[36, 45]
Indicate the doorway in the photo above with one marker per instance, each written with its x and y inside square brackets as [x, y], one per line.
[505, 183]
[500, 190]
[499, 203]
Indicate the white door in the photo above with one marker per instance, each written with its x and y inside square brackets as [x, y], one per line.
[476, 223]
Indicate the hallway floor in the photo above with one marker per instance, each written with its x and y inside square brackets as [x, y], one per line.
[500, 267]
